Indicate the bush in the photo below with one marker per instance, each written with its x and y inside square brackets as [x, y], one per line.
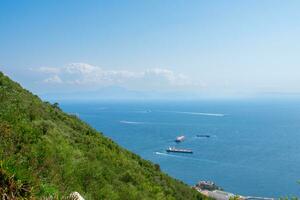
[12, 188]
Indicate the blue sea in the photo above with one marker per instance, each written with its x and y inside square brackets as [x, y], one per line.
[253, 148]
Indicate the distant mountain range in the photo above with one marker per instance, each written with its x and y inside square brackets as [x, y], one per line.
[118, 93]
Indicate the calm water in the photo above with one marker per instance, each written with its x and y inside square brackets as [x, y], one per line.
[254, 148]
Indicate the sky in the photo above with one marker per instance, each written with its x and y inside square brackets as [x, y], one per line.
[214, 48]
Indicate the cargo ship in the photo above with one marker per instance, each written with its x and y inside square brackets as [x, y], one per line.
[180, 138]
[175, 150]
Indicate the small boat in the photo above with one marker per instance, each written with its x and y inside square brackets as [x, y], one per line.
[207, 136]
[175, 150]
[180, 138]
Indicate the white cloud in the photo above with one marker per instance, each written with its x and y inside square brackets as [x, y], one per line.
[167, 76]
[53, 79]
[48, 70]
[80, 68]
[82, 74]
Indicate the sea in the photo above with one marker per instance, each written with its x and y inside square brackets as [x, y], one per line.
[253, 148]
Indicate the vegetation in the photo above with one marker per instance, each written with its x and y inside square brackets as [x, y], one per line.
[235, 198]
[10, 188]
[288, 198]
[45, 152]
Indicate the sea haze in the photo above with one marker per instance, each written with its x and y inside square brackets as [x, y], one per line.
[253, 148]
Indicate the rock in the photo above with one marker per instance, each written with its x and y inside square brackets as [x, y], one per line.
[75, 196]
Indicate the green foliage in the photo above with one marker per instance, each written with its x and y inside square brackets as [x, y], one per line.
[288, 198]
[234, 198]
[11, 187]
[56, 154]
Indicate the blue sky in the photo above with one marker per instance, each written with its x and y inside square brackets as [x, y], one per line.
[203, 47]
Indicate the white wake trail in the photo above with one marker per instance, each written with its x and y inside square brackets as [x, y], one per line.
[131, 122]
[202, 113]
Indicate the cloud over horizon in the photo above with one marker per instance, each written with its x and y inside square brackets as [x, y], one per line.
[92, 77]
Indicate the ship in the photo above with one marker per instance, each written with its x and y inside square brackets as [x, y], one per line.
[180, 138]
[175, 150]
[207, 136]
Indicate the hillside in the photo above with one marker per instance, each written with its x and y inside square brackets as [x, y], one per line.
[45, 152]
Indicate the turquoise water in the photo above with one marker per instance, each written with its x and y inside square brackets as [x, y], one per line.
[254, 148]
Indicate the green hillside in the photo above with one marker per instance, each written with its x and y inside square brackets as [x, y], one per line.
[46, 152]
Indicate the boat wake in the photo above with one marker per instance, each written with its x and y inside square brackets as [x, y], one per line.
[170, 155]
[147, 123]
[201, 113]
[211, 161]
[131, 122]
[185, 157]
[197, 113]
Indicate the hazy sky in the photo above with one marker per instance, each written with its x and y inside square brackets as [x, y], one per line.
[218, 47]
